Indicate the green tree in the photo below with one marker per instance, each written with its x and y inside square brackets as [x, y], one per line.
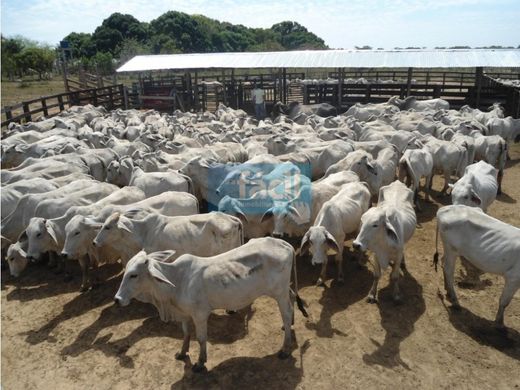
[131, 47]
[292, 35]
[128, 26]
[81, 45]
[38, 59]
[11, 48]
[107, 39]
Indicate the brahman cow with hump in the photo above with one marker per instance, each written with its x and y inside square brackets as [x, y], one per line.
[201, 234]
[339, 216]
[191, 287]
[477, 188]
[487, 243]
[385, 229]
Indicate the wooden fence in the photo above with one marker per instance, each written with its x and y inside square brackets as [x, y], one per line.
[110, 97]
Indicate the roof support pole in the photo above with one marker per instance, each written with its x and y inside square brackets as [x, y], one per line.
[478, 84]
[340, 87]
[196, 91]
[409, 81]
[284, 85]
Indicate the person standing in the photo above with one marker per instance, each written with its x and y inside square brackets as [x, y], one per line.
[257, 95]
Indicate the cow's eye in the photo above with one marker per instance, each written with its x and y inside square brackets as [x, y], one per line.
[39, 235]
[77, 233]
[107, 227]
[133, 276]
[375, 225]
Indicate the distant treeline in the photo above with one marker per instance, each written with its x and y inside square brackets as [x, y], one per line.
[123, 36]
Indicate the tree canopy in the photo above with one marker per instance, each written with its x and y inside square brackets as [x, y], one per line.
[122, 35]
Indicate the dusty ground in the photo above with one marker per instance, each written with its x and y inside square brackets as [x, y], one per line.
[53, 337]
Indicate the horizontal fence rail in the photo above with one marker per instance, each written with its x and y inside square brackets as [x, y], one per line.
[113, 96]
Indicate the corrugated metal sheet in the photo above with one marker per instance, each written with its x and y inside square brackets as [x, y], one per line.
[328, 59]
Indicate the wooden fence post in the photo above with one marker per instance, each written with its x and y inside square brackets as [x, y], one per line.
[44, 107]
[26, 111]
[94, 96]
[409, 81]
[125, 96]
[478, 84]
[60, 102]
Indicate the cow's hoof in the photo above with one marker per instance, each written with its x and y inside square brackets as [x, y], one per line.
[180, 356]
[320, 283]
[282, 355]
[371, 299]
[84, 289]
[199, 367]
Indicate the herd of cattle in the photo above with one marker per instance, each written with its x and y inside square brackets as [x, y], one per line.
[174, 198]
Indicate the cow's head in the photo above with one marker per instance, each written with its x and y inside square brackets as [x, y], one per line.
[113, 229]
[320, 243]
[16, 259]
[80, 231]
[464, 194]
[376, 232]
[42, 237]
[143, 275]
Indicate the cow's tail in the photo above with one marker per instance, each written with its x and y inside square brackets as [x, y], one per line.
[436, 255]
[299, 301]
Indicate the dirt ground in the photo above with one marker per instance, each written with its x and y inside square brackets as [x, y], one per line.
[55, 338]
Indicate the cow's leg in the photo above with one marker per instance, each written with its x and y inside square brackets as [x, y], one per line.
[394, 277]
[286, 310]
[185, 342]
[372, 295]
[446, 182]
[449, 271]
[323, 273]
[84, 262]
[427, 187]
[499, 180]
[339, 263]
[510, 287]
[201, 330]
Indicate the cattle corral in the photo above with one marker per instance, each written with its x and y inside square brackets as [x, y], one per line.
[54, 336]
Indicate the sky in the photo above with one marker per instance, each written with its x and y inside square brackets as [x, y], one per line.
[342, 24]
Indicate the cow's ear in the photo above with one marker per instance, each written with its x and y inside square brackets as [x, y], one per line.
[158, 275]
[304, 247]
[122, 224]
[162, 256]
[240, 214]
[294, 211]
[91, 223]
[268, 214]
[390, 231]
[332, 244]
[22, 236]
[51, 231]
[475, 198]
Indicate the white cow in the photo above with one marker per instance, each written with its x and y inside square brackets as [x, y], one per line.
[202, 234]
[338, 217]
[493, 150]
[414, 164]
[477, 188]
[294, 217]
[81, 230]
[191, 287]
[385, 229]
[494, 247]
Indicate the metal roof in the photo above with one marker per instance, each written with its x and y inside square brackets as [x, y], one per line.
[329, 59]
